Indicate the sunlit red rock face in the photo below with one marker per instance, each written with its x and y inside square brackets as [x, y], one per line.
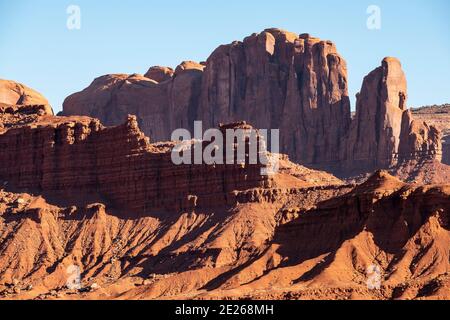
[160, 107]
[13, 93]
[106, 200]
[438, 116]
[77, 157]
[275, 79]
[262, 248]
[383, 133]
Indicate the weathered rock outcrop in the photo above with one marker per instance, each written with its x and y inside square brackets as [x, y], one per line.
[419, 140]
[13, 93]
[162, 102]
[383, 132]
[20, 105]
[274, 80]
[439, 117]
[77, 158]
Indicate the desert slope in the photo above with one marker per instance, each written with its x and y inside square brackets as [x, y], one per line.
[268, 248]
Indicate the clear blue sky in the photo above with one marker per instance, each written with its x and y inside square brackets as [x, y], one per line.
[37, 49]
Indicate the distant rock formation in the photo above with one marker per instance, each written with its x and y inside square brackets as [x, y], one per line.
[274, 80]
[20, 104]
[71, 158]
[439, 117]
[13, 93]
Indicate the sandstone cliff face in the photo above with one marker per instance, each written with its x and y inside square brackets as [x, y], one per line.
[383, 133]
[76, 158]
[13, 93]
[374, 137]
[439, 117]
[275, 79]
[162, 102]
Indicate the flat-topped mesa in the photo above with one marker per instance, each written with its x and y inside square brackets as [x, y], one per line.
[77, 159]
[383, 133]
[275, 79]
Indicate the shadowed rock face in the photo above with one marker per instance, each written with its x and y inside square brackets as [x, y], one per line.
[274, 80]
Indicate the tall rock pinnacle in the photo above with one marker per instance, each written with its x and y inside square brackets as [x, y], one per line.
[382, 133]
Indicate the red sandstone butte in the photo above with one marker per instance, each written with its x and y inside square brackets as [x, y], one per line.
[274, 79]
[383, 133]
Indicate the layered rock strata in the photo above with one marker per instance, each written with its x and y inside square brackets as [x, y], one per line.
[79, 158]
